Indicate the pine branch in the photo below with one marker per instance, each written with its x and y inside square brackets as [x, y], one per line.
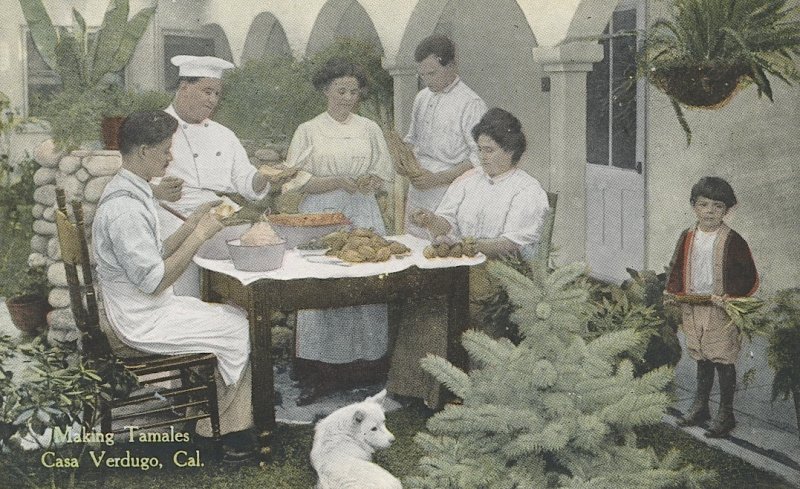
[563, 276]
[635, 410]
[486, 350]
[455, 379]
[487, 418]
[610, 345]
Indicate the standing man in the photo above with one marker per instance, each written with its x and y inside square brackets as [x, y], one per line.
[440, 133]
[208, 157]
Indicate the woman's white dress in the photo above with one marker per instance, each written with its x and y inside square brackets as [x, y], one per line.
[352, 148]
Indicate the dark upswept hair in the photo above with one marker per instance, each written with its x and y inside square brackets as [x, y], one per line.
[145, 129]
[714, 188]
[338, 68]
[441, 47]
[504, 129]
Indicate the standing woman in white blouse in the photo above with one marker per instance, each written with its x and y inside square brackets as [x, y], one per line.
[348, 162]
[500, 205]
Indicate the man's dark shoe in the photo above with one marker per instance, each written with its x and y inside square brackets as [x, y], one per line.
[239, 446]
[235, 456]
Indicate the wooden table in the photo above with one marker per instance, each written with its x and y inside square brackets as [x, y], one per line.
[265, 296]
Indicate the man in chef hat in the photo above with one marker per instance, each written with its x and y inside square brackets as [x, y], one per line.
[207, 156]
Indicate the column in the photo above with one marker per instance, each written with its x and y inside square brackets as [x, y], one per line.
[405, 89]
[567, 66]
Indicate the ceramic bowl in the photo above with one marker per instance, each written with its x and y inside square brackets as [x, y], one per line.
[256, 258]
[216, 248]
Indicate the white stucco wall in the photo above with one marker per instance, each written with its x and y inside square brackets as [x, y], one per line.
[752, 143]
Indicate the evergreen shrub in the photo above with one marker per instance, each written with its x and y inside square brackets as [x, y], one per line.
[559, 409]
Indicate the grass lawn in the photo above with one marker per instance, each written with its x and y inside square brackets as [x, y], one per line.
[291, 468]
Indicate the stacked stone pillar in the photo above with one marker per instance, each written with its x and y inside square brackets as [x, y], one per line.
[83, 175]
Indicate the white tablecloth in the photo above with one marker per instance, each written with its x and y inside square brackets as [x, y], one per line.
[296, 266]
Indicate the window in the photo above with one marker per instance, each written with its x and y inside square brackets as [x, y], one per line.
[611, 96]
[43, 82]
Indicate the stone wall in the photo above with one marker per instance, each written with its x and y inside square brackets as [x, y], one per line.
[83, 175]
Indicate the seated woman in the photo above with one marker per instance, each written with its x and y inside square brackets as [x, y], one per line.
[348, 162]
[500, 205]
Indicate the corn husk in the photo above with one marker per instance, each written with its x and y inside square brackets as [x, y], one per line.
[693, 299]
[405, 163]
[740, 310]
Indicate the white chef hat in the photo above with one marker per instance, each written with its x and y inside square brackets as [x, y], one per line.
[200, 66]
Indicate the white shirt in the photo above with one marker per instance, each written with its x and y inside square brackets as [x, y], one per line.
[209, 158]
[127, 247]
[441, 126]
[126, 236]
[512, 205]
[702, 266]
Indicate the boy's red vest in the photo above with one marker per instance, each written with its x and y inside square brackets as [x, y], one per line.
[734, 265]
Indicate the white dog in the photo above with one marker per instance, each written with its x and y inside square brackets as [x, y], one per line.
[344, 443]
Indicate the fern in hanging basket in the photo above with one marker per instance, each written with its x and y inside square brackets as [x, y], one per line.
[711, 48]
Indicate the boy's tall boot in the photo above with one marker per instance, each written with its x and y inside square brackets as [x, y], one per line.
[725, 421]
[699, 413]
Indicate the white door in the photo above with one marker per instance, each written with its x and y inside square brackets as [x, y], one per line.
[615, 192]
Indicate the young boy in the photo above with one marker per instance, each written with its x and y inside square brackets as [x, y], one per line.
[712, 260]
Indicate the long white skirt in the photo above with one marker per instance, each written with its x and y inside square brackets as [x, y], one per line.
[344, 334]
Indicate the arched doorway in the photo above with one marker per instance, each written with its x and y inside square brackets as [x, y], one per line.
[266, 38]
[209, 40]
[338, 19]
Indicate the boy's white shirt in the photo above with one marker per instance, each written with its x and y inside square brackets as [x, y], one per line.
[702, 267]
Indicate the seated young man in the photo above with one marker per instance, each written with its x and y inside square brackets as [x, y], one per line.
[136, 268]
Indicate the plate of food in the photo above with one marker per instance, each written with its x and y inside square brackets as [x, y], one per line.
[466, 248]
[360, 245]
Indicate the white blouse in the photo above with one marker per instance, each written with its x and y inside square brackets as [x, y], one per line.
[512, 205]
[354, 147]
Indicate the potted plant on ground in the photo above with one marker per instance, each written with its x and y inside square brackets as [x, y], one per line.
[712, 48]
[28, 306]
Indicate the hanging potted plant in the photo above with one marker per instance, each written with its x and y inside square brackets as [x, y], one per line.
[710, 49]
[28, 306]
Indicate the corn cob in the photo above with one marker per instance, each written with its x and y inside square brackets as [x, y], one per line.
[404, 160]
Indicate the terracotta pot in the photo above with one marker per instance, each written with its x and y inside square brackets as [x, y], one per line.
[704, 86]
[28, 312]
[109, 126]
